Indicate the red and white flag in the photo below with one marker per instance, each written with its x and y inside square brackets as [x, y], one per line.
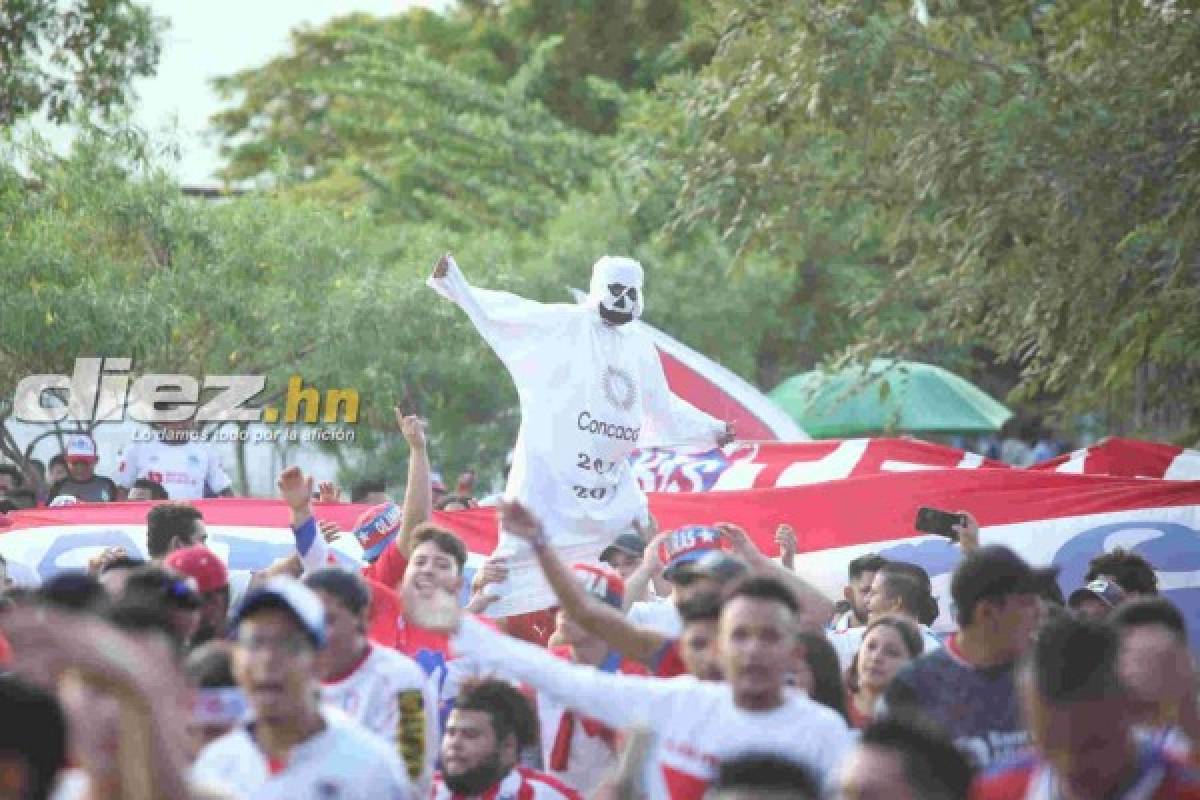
[1130, 458]
[1048, 517]
[769, 465]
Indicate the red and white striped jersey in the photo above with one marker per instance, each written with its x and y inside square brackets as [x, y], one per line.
[520, 784]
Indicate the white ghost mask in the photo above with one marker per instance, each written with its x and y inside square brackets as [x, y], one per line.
[616, 289]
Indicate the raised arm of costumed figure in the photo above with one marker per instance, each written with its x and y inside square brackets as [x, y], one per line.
[514, 327]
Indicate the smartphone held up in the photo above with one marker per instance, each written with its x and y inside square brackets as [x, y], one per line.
[939, 523]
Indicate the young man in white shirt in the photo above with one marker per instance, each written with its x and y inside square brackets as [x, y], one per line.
[293, 747]
[696, 724]
[376, 686]
[178, 462]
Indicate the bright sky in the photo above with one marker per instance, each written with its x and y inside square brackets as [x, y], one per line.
[220, 37]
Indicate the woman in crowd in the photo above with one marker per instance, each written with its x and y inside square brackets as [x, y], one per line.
[818, 673]
[888, 644]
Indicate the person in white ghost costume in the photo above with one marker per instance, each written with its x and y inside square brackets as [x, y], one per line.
[592, 390]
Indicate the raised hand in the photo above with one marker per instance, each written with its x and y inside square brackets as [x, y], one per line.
[495, 570]
[740, 541]
[442, 267]
[413, 428]
[646, 532]
[651, 558]
[785, 537]
[519, 521]
[295, 489]
[97, 563]
[728, 435]
[968, 533]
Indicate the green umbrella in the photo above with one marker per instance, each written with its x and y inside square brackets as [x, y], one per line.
[888, 397]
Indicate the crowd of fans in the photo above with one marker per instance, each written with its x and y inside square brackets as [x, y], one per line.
[683, 664]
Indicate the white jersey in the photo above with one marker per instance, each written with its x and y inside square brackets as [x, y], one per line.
[389, 695]
[590, 394]
[342, 762]
[520, 784]
[696, 724]
[181, 469]
[846, 643]
[660, 616]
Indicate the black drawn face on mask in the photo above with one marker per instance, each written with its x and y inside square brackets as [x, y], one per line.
[621, 304]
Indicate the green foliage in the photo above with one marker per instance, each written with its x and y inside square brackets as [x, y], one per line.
[72, 57]
[1000, 164]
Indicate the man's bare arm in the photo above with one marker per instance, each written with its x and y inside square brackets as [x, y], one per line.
[600, 619]
[815, 607]
[418, 493]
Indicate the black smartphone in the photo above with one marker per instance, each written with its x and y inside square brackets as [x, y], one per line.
[939, 523]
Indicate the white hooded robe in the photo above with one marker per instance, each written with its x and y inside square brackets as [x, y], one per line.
[590, 394]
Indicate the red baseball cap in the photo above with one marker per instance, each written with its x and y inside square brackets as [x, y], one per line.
[201, 565]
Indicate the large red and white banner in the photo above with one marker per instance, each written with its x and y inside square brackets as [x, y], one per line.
[1049, 517]
[1130, 458]
[770, 465]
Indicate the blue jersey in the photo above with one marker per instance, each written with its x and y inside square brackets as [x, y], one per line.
[977, 707]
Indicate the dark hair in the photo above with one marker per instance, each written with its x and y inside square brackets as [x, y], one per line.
[994, 573]
[933, 766]
[508, 709]
[764, 587]
[910, 637]
[703, 607]
[58, 459]
[444, 540]
[157, 492]
[1075, 659]
[169, 521]
[912, 596]
[1149, 611]
[37, 464]
[823, 663]
[926, 608]
[154, 585]
[73, 590]
[137, 617]
[16, 474]
[871, 562]
[455, 499]
[349, 589]
[121, 562]
[1131, 572]
[360, 490]
[36, 732]
[209, 666]
[776, 775]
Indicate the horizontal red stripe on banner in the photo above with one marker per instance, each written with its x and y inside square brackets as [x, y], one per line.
[839, 513]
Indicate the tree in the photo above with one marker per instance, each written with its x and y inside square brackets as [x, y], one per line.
[75, 56]
[1024, 197]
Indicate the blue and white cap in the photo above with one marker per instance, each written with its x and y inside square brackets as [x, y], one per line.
[292, 596]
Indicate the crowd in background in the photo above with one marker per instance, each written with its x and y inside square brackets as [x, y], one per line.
[683, 664]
